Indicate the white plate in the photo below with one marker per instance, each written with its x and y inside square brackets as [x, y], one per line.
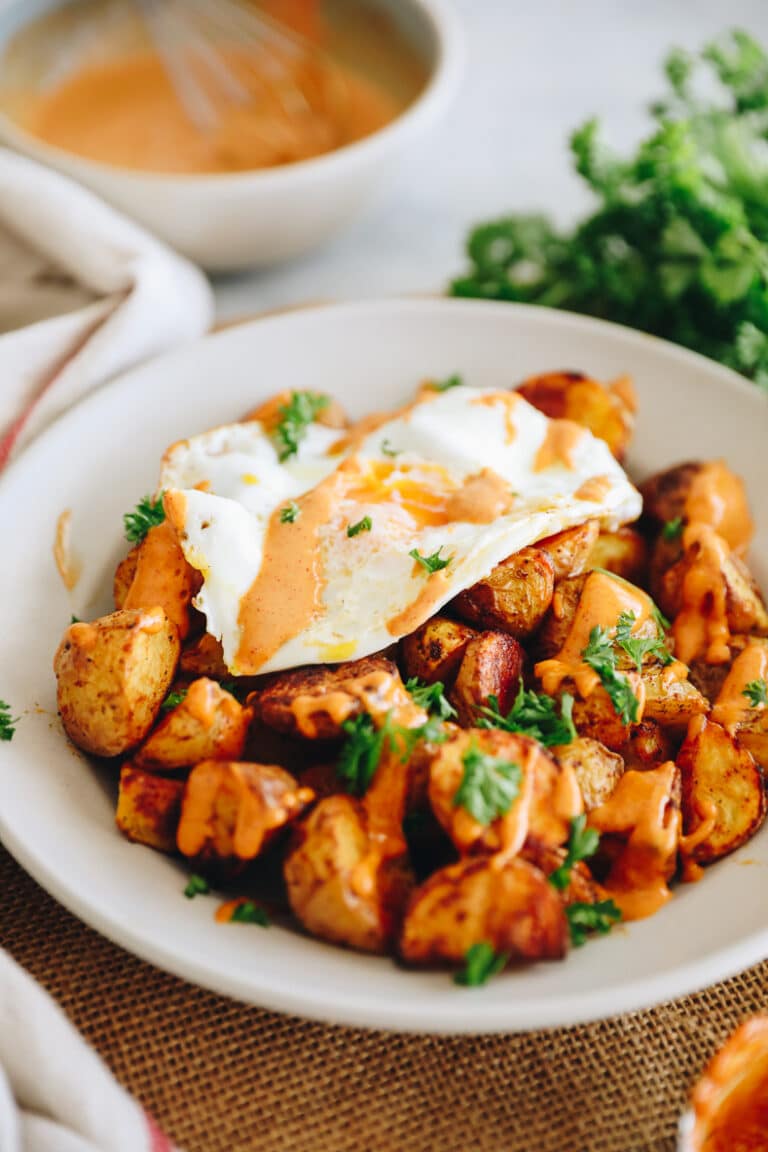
[56, 812]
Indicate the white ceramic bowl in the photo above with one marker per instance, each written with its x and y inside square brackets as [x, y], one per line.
[56, 808]
[227, 222]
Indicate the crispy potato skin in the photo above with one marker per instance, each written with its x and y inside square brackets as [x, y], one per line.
[204, 657]
[231, 811]
[624, 552]
[514, 598]
[582, 889]
[149, 808]
[315, 701]
[339, 886]
[596, 718]
[648, 746]
[709, 678]
[571, 551]
[744, 605]
[209, 724]
[492, 666]
[720, 779]
[124, 574]
[665, 494]
[513, 907]
[559, 619]
[435, 651]
[597, 769]
[112, 676]
[572, 396]
[752, 734]
[670, 702]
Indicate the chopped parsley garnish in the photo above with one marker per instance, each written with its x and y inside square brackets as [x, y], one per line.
[638, 647]
[583, 842]
[361, 751]
[489, 787]
[433, 563]
[431, 697]
[388, 450]
[673, 529]
[147, 514]
[756, 692]
[290, 513]
[533, 714]
[196, 886]
[295, 417]
[480, 963]
[363, 525]
[74, 619]
[454, 381]
[7, 722]
[600, 655]
[173, 699]
[250, 913]
[586, 918]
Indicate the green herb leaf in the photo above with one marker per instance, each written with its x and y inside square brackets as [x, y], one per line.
[480, 963]
[290, 513]
[454, 381]
[196, 886]
[173, 699]
[599, 654]
[147, 514]
[431, 697]
[250, 913]
[433, 563]
[388, 450]
[7, 723]
[756, 692]
[363, 525]
[533, 714]
[673, 529]
[586, 918]
[489, 787]
[361, 751]
[638, 647]
[583, 842]
[75, 620]
[295, 417]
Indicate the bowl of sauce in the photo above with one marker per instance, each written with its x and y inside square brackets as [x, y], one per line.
[85, 88]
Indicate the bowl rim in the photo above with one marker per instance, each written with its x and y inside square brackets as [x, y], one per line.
[442, 83]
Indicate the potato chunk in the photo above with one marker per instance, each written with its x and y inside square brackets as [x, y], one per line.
[722, 788]
[209, 724]
[571, 551]
[573, 396]
[670, 701]
[492, 666]
[705, 492]
[113, 675]
[624, 552]
[596, 768]
[745, 608]
[204, 657]
[124, 574]
[149, 808]
[597, 719]
[511, 906]
[648, 746]
[514, 597]
[435, 651]
[315, 701]
[163, 576]
[232, 811]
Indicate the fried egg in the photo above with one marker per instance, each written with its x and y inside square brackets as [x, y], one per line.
[358, 538]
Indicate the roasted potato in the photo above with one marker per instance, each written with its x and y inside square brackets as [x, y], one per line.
[204, 657]
[343, 885]
[582, 887]
[744, 605]
[149, 808]
[435, 651]
[163, 577]
[670, 701]
[596, 768]
[492, 666]
[559, 620]
[208, 724]
[624, 552]
[514, 597]
[510, 905]
[232, 811]
[596, 718]
[706, 492]
[268, 412]
[723, 791]
[752, 734]
[648, 746]
[571, 551]
[315, 701]
[113, 675]
[573, 396]
[124, 574]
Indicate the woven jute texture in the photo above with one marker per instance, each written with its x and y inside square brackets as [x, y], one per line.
[220, 1077]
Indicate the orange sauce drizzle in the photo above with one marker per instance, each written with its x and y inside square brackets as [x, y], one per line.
[730, 1101]
[379, 692]
[163, 576]
[68, 568]
[717, 498]
[641, 807]
[674, 672]
[692, 870]
[508, 402]
[701, 625]
[202, 701]
[558, 445]
[732, 707]
[433, 592]
[594, 489]
[624, 389]
[483, 498]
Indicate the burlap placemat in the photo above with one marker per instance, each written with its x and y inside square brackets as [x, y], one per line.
[221, 1077]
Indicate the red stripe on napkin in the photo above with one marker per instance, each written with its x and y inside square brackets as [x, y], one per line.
[158, 1141]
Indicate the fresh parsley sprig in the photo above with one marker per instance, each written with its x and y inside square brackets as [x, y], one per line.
[585, 918]
[290, 513]
[756, 693]
[532, 714]
[433, 563]
[250, 913]
[365, 742]
[638, 647]
[196, 886]
[363, 525]
[148, 513]
[489, 787]
[481, 962]
[173, 699]
[431, 697]
[7, 722]
[454, 381]
[295, 417]
[600, 655]
[673, 529]
[583, 842]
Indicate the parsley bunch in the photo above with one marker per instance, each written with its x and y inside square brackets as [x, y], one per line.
[431, 697]
[756, 693]
[678, 242]
[148, 513]
[532, 714]
[295, 417]
[600, 655]
[7, 722]
[489, 786]
[361, 751]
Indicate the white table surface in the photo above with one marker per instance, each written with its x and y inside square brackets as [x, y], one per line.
[535, 69]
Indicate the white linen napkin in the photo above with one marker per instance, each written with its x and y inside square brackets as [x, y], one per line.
[84, 293]
[56, 1095]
